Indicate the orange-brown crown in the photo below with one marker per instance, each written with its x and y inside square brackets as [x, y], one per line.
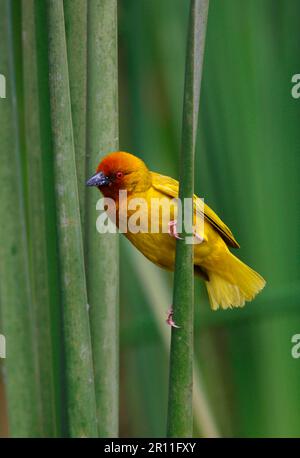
[125, 171]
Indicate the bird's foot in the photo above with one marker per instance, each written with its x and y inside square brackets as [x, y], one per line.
[173, 230]
[198, 237]
[170, 320]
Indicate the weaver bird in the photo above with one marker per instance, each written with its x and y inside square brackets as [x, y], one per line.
[229, 281]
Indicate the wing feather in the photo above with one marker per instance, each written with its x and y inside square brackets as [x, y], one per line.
[169, 187]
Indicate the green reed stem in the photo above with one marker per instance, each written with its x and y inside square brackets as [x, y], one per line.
[80, 378]
[37, 222]
[180, 408]
[102, 249]
[22, 383]
[76, 36]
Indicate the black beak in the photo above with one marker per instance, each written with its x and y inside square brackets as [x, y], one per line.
[99, 179]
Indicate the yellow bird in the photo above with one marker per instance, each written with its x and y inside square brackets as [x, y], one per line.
[229, 281]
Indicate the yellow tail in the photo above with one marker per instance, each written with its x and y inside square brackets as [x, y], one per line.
[235, 284]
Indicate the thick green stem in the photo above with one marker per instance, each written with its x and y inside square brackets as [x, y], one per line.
[80, 378]
[37, 223]
[180, 411]
[22, 384]
[76, 36]
[102, 249]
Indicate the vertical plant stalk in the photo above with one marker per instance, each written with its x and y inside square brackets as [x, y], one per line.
[50, 215]
[204, 418]
[80, 378]
[37, 223]
[22, 387]
[180, 408]
[102, 249]
[76, 36]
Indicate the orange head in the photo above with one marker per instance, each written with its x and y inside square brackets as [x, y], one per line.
[120, 171]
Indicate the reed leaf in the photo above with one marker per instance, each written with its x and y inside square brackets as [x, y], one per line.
[180, 412]
[80, 378]
[76, 36]
[102, 249]
[149, 275]
[50, 215]
[22, 383]
[37, 222]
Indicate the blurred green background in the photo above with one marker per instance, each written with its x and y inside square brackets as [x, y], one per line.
[247, 169]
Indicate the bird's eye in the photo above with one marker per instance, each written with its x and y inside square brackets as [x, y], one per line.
[119, 175]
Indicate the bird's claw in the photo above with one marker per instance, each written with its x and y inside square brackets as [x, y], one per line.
[197, 236]
[173, 230]
[170, 320]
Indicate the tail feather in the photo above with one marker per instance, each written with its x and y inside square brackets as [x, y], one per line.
[234, 285]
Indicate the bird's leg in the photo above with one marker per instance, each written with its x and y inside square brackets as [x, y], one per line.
[170, 320]
[173, 229]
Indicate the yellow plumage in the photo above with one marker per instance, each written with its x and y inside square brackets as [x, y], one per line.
[229, 282]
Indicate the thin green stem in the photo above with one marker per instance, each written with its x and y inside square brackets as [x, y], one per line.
[102, 249]
[76, 36]
[37, 222]
[180, 408]
[50, 214]
[80, 378]
[22, 384]
[148, 276]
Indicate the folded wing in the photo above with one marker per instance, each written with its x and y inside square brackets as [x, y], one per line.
[169, 187]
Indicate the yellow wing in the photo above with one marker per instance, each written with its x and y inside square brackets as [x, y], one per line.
[169, 187]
